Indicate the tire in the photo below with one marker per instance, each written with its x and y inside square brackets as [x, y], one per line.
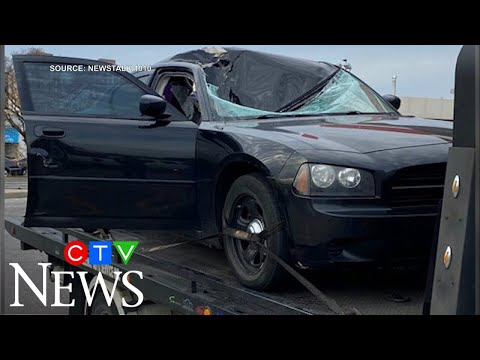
[100, 307]
[6, 173]
[251, 205]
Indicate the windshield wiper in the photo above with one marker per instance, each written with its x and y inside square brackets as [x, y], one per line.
[280, 116]
[360, 113]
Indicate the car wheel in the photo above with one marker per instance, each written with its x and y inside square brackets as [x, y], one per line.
[6, 173]
[100, 307]
[251, 205]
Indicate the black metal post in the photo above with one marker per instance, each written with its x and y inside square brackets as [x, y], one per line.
[455, 282]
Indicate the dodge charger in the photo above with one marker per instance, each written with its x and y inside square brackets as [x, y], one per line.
[226, 137]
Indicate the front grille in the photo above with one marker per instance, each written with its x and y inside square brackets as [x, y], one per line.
[418, 186]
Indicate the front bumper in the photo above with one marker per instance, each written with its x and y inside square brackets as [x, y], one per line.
[352, 231]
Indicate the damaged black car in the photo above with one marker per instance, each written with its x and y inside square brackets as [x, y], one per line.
[231, 137]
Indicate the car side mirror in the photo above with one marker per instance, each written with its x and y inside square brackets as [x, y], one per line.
[393, 100]
[154, 106]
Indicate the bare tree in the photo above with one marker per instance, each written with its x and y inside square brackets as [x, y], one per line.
[13, 115]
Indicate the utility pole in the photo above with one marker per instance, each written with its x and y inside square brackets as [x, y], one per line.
[394, 85]
[2, 180]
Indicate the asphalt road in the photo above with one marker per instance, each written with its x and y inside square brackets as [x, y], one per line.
[16, 182]
[28, 260]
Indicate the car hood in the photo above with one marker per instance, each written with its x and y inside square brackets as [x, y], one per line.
[354, 133]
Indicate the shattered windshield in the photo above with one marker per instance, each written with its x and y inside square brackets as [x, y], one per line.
[246, 84]
[342, 94]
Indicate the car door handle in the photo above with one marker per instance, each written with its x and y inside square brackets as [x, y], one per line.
[50, 132]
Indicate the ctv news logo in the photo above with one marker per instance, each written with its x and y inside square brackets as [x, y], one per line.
[76, 252]
[98, 256]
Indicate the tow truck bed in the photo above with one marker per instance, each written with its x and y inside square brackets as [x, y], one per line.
[192, 277]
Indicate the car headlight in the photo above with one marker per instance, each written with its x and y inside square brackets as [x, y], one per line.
[323, 176]
[350, 178]
[328, 180]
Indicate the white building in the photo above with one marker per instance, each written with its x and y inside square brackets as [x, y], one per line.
[427, 107]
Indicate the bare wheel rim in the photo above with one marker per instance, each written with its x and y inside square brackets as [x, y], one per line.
[247, 215]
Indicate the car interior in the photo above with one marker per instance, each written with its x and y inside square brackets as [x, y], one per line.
[179, 90]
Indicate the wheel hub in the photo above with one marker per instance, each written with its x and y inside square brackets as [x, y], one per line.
[252, 251]
[248, 217]
[255, 227]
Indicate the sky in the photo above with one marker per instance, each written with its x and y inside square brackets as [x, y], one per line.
[421, 70]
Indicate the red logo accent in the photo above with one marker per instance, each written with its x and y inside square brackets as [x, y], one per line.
[75, 253]
[199, 310]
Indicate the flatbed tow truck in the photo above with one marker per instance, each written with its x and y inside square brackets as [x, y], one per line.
[191, 279]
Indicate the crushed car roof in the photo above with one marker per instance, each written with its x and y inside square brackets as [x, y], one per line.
[257, 80]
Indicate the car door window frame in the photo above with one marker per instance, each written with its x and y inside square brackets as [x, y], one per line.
[148, 75]
[198, 75]
[172, 74]
[20, 60]
[163, 74]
